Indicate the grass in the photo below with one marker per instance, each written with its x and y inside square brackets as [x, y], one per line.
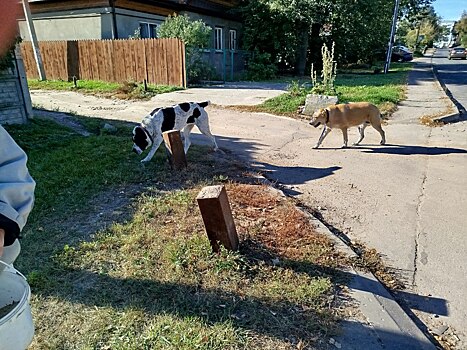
[383, 90]
[117, 257]
[126, 90]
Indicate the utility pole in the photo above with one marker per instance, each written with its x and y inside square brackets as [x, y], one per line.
[35, 45]
[391, 37]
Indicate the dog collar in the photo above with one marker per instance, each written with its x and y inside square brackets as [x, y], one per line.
[327, 116]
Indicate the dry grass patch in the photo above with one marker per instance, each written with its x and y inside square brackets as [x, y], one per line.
[153, 281]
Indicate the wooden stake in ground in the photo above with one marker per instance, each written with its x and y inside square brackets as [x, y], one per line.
[175, 151]
[217, 216]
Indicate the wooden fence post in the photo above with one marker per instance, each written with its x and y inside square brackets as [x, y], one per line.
[175, 151]
[72, 60]
[217, 217]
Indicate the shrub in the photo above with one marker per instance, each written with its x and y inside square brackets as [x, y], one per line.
[195, 35]
[260, 67]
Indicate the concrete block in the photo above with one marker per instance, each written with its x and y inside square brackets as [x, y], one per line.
[315, 102]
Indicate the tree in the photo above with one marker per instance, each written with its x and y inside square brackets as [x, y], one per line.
[421, 29]
[460, 29]
[195, 35]
[192, 33]
[293, 31]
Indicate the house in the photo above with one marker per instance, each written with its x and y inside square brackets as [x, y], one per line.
[120, 19]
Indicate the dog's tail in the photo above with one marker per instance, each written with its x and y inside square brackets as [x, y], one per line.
[204, 104]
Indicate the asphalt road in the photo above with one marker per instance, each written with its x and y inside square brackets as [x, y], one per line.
[453, 73]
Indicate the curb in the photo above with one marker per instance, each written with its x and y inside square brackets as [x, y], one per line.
[386, 326]
[389, 323]
[452, 117]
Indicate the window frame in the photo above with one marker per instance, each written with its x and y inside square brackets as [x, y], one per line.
[151, 29]
[218, 38]
[232, 39]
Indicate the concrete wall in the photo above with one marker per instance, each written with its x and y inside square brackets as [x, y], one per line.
[15, 102]
[66, 25]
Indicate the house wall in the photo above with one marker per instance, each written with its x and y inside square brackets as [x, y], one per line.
[128, 21]
[68, 25]
[96, 23]
[213, 22]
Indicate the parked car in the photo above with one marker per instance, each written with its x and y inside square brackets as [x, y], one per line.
[458, 52]
[401, 54]
[402, 47]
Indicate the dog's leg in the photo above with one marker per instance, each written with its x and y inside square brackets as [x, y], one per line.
[155, 145]
[381, 132]
[346, 137]
[186, 134]
[326, 131]
[361, 129]
[203, 125]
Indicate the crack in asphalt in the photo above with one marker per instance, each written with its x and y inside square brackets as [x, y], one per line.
[289, 141]
[418, 230]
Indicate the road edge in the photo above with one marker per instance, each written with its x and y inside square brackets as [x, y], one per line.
[451, 117]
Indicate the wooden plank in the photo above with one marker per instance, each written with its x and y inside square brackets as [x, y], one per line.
[217, 217]
[72, 59]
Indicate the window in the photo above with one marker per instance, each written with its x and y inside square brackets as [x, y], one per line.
[218, 45]
[233, 39]
[147, 30]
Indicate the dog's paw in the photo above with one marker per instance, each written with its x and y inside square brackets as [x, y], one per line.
[315, 147]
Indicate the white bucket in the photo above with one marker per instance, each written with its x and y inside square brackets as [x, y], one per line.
[16, 327]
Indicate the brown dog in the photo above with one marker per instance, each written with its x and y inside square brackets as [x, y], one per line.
[343, 116]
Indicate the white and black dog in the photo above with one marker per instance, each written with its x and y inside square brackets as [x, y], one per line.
[182, 117]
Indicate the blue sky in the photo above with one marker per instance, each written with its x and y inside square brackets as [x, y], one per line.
[450, 9]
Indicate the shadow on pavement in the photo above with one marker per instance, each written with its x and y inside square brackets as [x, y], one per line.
[405, 150]
[290, 175]
[358, 336]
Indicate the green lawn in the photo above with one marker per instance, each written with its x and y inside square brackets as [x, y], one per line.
[117, 257]
[384, 90]
[129, 90]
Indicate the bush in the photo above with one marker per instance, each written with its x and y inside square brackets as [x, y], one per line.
[195, 35]
[197, 69]
[260, 67]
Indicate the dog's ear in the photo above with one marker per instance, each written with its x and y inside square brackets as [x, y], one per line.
[140, 138]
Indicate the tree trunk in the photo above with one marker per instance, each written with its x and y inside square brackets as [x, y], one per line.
[315, 43]
[302, 49]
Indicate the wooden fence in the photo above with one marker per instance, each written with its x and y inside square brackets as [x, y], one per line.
[158, 61]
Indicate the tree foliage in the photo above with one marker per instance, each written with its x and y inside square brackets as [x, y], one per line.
[192, 33]
[195, 35]
[460, 29]
[288, 28]
[420, 29]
